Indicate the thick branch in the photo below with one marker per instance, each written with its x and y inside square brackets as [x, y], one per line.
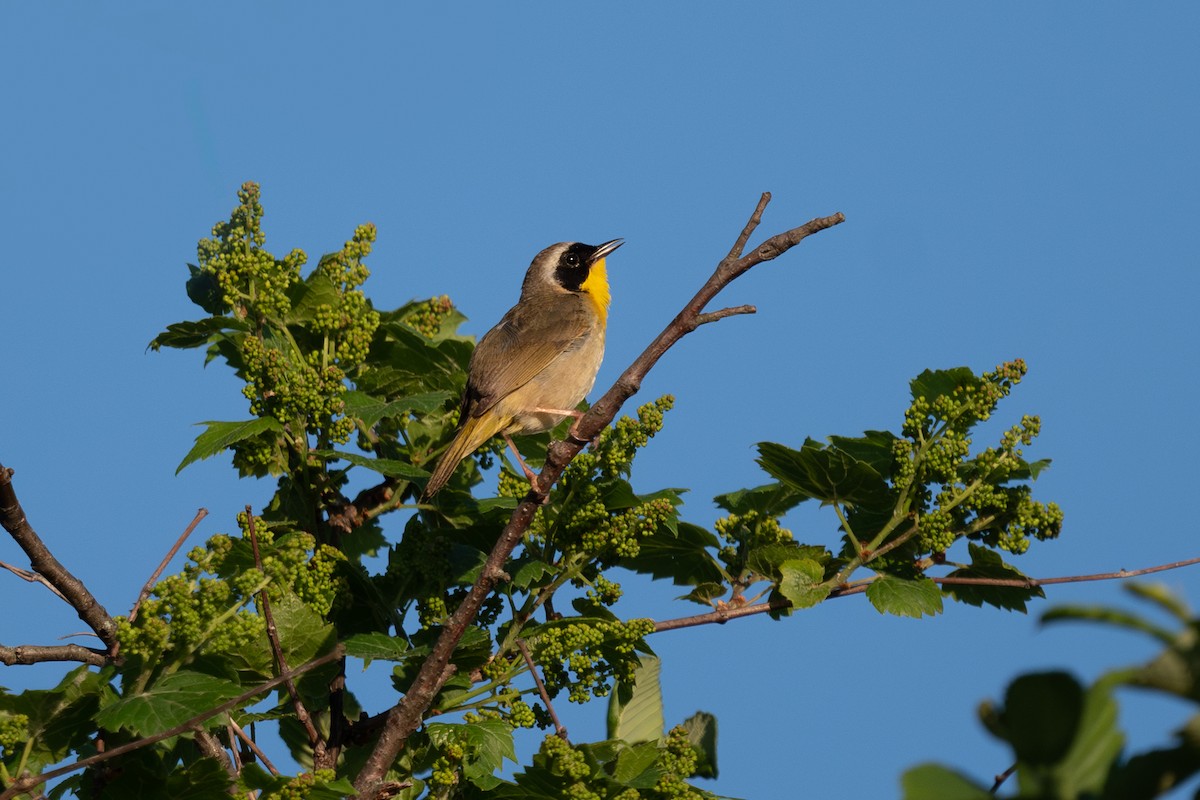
[12, 517]
[405, 716]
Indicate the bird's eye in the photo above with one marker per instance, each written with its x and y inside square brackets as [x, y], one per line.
[571, 259]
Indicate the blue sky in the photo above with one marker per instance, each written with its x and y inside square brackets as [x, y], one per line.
[1018, 181]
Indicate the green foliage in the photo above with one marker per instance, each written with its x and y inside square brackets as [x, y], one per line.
[1065, 736]
[341, 394]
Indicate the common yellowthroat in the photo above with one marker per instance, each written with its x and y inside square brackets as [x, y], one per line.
[529, 372]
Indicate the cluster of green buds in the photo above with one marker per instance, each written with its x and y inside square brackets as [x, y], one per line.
[583, 656]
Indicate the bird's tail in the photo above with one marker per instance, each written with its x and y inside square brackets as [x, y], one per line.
[473, 433]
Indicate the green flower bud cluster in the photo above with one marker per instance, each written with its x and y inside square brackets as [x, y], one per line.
[352, 322]
[253, 283]
[303, 785]
[615, 450]
[563, 759]
[428, 316]
[290, 389]
[677, 760]
[604, 591]
[194, 613]
[14, 731]
[509, 485]
[954, 495]
[520, 715]
[593, 651]
[432, 611]
[745, 532]
[621, 536]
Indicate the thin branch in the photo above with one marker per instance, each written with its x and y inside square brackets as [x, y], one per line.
[38, 654]
[726, 613]
[253, 745]
[559, 728]
[1001, 778]
[12, 517]
[314, 738]
[210, 747]
[32, 577]
[404, 717]
[713, 316]
[25, 784]
[149, 585]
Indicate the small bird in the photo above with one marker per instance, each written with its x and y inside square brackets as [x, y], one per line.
[529, 372]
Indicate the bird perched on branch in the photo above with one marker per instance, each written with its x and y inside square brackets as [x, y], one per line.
[529, 372]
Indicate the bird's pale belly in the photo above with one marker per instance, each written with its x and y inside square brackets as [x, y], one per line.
[560, 386]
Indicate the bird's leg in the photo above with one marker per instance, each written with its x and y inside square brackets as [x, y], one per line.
[529, 474]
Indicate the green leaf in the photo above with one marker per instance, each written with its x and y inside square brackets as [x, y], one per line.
[828, 474]
[1116, 617]
[874, 448]
[701, 729]
[1160, 595]
[489, 743]
[932, 384]
[1097, 745]
[186, 335]
[371, 410]
[767, 559]
[221, 435]
[934, 782]
[905, 598]
[390, 467]
[1041, 716]
[772, 500]
[986, 563]
[526, 571]
[377, 646]
[683, 556]
[204, 290]
[635, 712]
[705, 593]
[303, 633]
[170, 702]
[801, 582]
[315, 291]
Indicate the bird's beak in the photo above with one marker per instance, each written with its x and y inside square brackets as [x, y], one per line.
[606, 248]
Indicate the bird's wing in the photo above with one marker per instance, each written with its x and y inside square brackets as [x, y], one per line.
[518, 348]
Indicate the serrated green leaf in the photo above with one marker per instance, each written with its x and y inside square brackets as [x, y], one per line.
[801, 582]
[371, 410]
[932, 384]
[701, 729]
[705, 593]
[765, 560]
[526, 571]
[636, 766]
[489, 743]
[772, 499]
[377, 646]
[172, 701]
[635, 712]
[389, 467]
[874, 448]
[309, 295]
[220, 435]
[934, 782]
[682, 555]
[987, 563]
[824, 473]
[186, 335]
[905, 598]
[303, 633]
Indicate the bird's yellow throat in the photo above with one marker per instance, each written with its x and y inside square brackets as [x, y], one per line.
[596, 287]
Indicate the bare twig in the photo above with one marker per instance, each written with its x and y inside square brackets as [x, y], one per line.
[149, 585]
[210, 746]
[726, 613]
[37, 654]
[1001, 778]
[32, 577]
[541, 687]
[27, 783]
[12, 517]
[314, 738]
[253, 745]
[405, 716]
[713, 316]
